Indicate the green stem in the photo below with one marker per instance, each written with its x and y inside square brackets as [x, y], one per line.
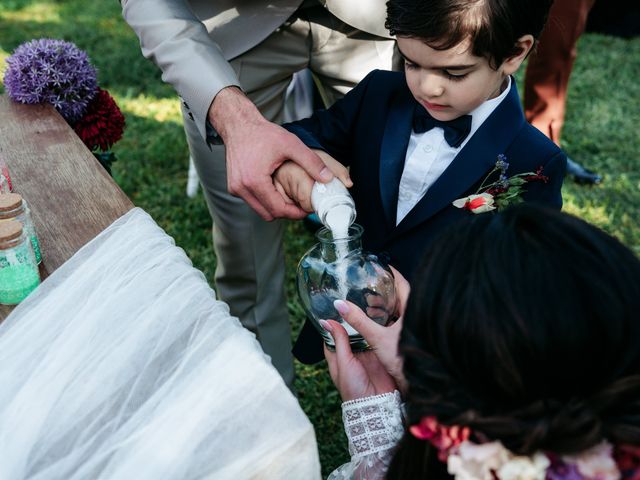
[482, 185]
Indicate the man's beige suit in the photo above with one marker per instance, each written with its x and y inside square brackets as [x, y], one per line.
[204, 46]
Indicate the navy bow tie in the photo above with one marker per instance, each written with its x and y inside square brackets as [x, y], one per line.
[455, 131]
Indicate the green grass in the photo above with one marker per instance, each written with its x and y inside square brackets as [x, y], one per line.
[601, 131]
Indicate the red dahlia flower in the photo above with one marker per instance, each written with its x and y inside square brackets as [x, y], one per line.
[103, 123]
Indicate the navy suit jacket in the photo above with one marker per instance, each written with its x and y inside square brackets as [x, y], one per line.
[369, 130]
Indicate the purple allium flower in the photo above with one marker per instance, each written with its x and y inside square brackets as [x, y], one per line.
[52, 71]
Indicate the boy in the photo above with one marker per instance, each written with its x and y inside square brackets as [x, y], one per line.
[417, 141]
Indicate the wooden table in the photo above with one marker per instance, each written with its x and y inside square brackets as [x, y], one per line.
[71, 197]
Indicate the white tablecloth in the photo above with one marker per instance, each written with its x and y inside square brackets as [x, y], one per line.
[123, 365]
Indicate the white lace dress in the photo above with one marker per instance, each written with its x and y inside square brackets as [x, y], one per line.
[373, 426]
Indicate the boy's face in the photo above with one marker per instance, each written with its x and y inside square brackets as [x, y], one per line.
[449, 83]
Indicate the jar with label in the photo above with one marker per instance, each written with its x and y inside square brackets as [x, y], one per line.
[13, 206]
[18, 269]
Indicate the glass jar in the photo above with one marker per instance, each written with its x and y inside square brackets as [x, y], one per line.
[339, 269]
[18, 269]
[13, 206]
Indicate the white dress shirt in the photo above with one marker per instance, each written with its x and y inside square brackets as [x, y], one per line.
[429, 155]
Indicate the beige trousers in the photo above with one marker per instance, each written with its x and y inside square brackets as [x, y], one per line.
[250, 263]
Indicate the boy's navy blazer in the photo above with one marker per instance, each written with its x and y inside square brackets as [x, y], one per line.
[369, 130]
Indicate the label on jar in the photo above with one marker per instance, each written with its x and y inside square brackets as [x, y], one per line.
[18, 274]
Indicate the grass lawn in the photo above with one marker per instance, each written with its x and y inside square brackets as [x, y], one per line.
[601, 131]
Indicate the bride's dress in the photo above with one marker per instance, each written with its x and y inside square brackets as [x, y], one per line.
[123, 365]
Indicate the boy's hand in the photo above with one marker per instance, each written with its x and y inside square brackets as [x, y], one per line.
[295, 184]
[402, 292]
[338, 169]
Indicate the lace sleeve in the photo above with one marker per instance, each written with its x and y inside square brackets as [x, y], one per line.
[373, 426]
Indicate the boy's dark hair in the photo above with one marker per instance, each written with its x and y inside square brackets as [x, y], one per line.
[493, 26]
[525, 327]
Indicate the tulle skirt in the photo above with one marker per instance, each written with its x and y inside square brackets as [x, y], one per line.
[123, 365]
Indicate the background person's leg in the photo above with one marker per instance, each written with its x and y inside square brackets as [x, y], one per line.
[548, 71]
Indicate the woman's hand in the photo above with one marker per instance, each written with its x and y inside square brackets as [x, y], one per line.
[383, 340]
[355, 376]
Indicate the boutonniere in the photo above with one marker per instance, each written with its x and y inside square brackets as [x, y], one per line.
[502, 192]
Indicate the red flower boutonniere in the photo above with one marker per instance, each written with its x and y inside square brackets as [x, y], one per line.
[479, 203]
[501, 193]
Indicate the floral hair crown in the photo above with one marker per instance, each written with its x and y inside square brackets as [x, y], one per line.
[467, 460]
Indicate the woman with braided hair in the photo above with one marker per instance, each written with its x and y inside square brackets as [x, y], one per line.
[520, 359]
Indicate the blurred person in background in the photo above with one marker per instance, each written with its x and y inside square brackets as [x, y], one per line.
[547, 77]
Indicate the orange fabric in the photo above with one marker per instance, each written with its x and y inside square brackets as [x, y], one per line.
[549, 67]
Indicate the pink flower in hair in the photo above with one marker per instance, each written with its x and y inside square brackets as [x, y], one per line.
[597, 463]
[442, 437]
[525, 468]
[471, 461]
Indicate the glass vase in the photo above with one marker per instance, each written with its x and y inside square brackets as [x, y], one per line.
[338, 269]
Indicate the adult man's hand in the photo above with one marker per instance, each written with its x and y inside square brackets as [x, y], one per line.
[255, 148]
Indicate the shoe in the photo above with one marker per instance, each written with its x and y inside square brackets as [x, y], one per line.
[581, 175]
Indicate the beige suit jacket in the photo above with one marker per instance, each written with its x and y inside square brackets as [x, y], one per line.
[192, 40]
